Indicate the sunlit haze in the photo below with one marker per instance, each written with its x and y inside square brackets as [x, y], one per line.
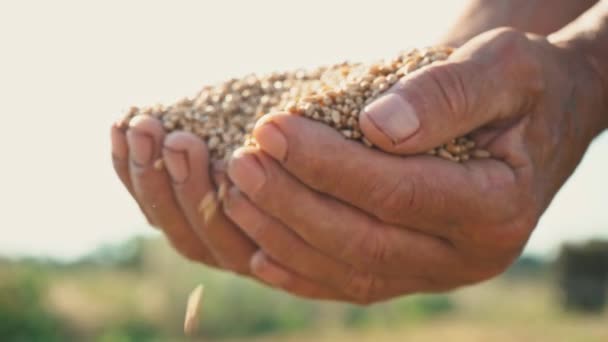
[68, 69]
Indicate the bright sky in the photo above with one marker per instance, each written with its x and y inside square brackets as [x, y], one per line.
[69, 68]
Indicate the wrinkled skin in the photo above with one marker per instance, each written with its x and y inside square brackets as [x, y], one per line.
[371, 226]
[323, 217]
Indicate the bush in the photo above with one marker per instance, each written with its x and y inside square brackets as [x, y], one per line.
[22, 314]
[583, 272]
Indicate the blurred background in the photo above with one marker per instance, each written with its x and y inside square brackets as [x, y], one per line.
[77, 260]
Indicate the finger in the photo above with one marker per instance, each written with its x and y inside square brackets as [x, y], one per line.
[153, 188]
[270, 272]
[283, 245]
[422, 192]
[120, 156]
[338, 230]
[120, 162]
[372, 290]
[187, 161]
[488, 79]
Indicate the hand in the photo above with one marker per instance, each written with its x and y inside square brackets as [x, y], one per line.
[169, 197]
[480, 16]
[370, 225]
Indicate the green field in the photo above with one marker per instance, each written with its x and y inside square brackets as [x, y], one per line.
[137, 292]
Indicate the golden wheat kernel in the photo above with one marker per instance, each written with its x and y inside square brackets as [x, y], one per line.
[208, 206]
[443, 153]
[374, 69]
[222, 191]
[453, 148]
[379, 80]
[213, 142]
[391, 78]
[335, 116]
[193, 309]
[480, 153]
[347, 133]
[168, 125]
[158, 164]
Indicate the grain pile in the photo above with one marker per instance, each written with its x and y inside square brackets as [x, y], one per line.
[224, 115]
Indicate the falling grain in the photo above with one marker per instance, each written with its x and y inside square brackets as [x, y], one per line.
[159, 164]
[221, 192]
[208, 206]
[193, 309]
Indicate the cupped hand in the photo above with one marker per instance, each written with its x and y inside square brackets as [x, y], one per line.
[370, 225]
[170, 197]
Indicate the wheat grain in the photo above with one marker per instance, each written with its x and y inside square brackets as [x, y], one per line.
[224, 115]
[193, 309]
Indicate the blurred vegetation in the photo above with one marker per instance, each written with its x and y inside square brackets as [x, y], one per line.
[137, 290]
[23, 315]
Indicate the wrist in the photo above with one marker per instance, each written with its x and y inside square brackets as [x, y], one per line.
[589, 76]
[588, 37]
[524, 15]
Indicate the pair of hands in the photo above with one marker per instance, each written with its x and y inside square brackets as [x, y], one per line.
[323, 217]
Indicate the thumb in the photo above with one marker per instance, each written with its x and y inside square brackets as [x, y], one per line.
[485, 82]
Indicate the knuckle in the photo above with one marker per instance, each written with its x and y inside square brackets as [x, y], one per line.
[361, 287]
[394, 198]
[518, 58]
[439, 87]
[509, 41]
[508, 34]
[376, 249]
[369, 248]
[255, 230]
[447, 81]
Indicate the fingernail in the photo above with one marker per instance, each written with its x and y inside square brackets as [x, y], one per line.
[268, 272]
[141, 146]
[119, 144]
[271, 140]
[176, 162]
[246, 172]
[394, 117]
